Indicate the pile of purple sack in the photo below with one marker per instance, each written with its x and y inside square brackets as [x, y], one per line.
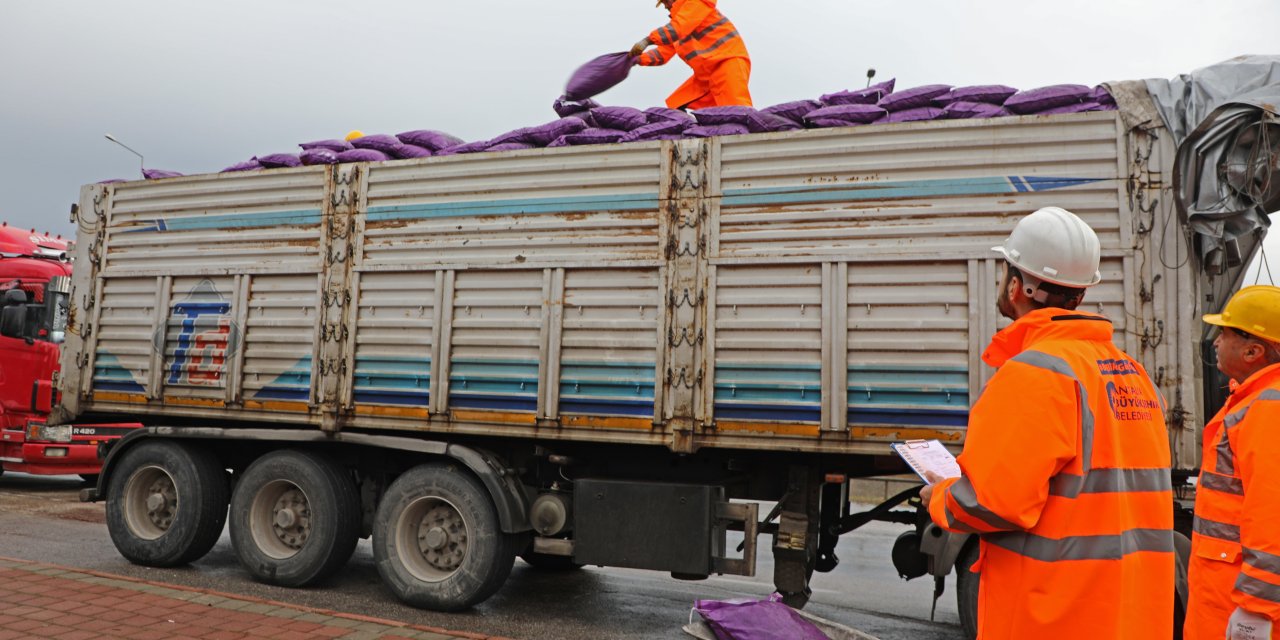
[585, 122]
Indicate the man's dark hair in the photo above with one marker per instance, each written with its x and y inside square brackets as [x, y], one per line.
[1058, 296]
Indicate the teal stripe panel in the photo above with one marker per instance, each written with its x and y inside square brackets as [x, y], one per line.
[238, 221]
[621, 380]
[385, 372]
[299, 375]
[991, 185]
[902, 385]
[584, 204]
[769, 383]
[496, 377]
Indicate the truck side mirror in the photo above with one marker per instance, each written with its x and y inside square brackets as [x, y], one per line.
[14, 297]
[13, 320]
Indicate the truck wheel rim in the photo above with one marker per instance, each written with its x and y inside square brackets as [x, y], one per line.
[150, 502]
[432, 539]
[280, 519]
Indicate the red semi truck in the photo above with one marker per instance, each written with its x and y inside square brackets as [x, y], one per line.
[34, 273]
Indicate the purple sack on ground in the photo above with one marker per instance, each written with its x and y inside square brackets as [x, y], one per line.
[544, 135]
[965, 110]
[990, 93]
[318, 155]
[469, 147]
[565, 107]
[793, 111]
[279, 160]
[378, 142]
[915, 115]
[921, 96]
[510, 146]
[710, 130]
[847, 113]
[589, 136]
[869, 95]
[429, 139]
[620, 118]
[335, 146]
[410, 151]
[723, 115]
[247, 165]
[1058, 95]
[156, 174]
[661, 114]
[661, 128]
[1102, 96]
[598, 76]
[746, 619]
[363, 155]
[1079, 107]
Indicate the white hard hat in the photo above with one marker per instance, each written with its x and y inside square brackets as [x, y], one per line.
[1054, 245]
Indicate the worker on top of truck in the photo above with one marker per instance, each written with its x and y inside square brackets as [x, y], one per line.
[1234, 573]
[709, 43]
[1065, 469]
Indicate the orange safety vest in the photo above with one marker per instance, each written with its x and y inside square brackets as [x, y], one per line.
[1235, 543]
[1066, 480]
[703, 37]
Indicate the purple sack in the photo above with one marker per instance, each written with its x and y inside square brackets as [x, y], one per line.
[565, 107]
[378, 142]
[846, 113]
[915, 115]
[1058, 95]
[510, 146]
[363, 155]
[544, 135]
[921, 96]
[429, 139]
[589, 136]
[620, 118]
[990, 93]
[793, 111]
[279, 160]
[662, 114]
[410, 151]
[1102, 96]
[829, 123]
[156, 174]
[760, 122]
[515, 135]
[965, 110]
[318, 155]
[470, 147]
[723, 115]
[746, 619]
[598, 76]
[662, 128]
[869, 95]
[710, 130]
[336, 146]
[1079, 107]
[115, 180]
[247, 165]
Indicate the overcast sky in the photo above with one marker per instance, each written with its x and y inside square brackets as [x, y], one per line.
[197, 86]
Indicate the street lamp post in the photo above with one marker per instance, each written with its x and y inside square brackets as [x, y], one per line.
[141, 161]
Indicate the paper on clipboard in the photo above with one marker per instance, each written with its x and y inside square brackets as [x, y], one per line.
[928, 455]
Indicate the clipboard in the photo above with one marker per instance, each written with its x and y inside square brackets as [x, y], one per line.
[927, 455]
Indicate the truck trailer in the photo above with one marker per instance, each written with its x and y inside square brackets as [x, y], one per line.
[610, 355]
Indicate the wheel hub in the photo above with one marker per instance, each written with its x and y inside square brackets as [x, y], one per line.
[162, 500]
[291, 519]
[442, 538]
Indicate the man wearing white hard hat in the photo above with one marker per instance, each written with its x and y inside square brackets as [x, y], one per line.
[1065, 469]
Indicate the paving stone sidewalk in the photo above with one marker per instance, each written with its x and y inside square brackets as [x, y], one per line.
[43, 601]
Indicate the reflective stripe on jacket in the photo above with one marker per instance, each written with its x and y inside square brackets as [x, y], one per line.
[1235, 544]
[1066, 479]
[699, 34]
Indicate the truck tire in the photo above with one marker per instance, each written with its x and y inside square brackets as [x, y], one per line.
[295, 518]
[166, 503]
[967, 584]
[437, 541]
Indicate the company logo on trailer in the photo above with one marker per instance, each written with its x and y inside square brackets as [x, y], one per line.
[206, 337]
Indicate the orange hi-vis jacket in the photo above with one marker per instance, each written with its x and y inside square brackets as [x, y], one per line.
[704, 38]
[1066, 480]
[1235, 544]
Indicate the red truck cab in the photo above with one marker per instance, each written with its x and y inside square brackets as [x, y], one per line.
[30, 263]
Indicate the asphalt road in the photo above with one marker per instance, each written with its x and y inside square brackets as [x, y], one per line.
[41, 519]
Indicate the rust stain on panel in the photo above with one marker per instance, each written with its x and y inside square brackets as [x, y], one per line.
[276, 405]
[809, 430]
[605, 422]
[901, 433]
[420, 413]
[504, 417]
[128, 398]
[195, 402]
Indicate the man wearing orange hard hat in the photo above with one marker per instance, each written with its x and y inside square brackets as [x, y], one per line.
[709, 43]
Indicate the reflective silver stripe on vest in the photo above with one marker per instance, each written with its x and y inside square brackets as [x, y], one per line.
[1225, 460]
[1258, 588]
[965, 496]
[1069, 485]
[956, 525]
[1107, 547]
[1219, 530]
[1262, 560]
[1219, 482]
[672, 34]
[662, 34]
[715, 45]
[1060, 366]
[697, 35]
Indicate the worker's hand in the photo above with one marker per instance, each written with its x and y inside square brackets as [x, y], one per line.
[1245, 625]
[927, 491]
[639, 47]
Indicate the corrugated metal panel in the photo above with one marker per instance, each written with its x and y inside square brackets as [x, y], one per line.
[394, 338]
[225, 223]
[515, 209]
[126, 338]
[610, 341]
[494, 351]
[280, 333]
[199, 337]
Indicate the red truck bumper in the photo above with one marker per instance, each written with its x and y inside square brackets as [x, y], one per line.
[78, 457]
